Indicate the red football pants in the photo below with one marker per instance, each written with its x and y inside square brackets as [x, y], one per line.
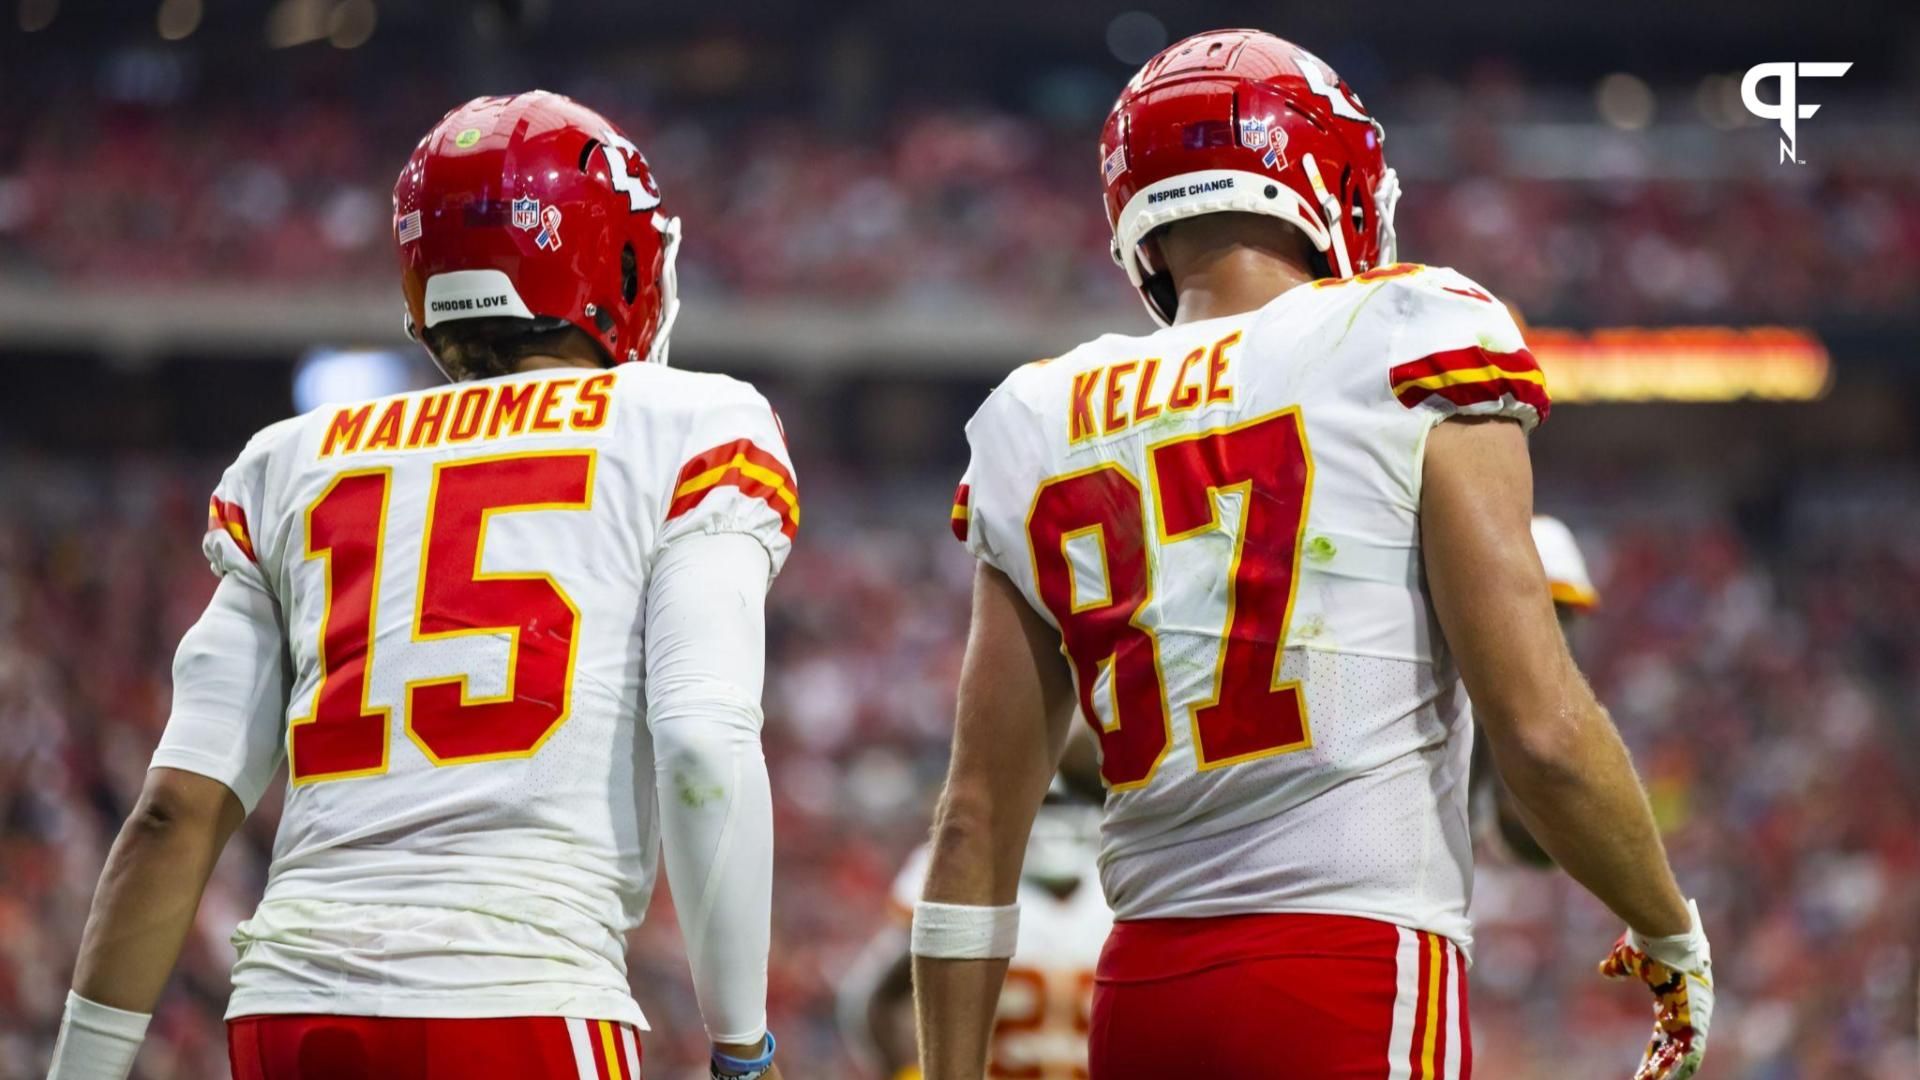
[300, 1047]
[1279, 997]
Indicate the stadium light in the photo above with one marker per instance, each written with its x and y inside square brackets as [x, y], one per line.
[329, 376]
[1682, 363]
[177, 19]
[1624, 101]
[296, 22]
[350, 24]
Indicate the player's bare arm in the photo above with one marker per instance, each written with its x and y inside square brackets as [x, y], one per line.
[142, 911]
[1574, 597]
[151, 886]
[1555, 747]
[1015, 703]
[228, 665]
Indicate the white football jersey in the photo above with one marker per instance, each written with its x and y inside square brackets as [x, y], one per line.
[470, 826]
[1222, 520]
[1040, 1026]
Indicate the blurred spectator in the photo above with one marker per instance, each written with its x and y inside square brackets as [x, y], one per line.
[1761, 683]
[938, 207]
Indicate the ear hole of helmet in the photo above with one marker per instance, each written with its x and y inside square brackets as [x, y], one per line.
[1155, 279]
[1159, 287]
[629, 274]
[586, 153]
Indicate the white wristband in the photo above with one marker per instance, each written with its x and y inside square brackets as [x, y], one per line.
[964, 931]
[1686, 952]
[97, 1042]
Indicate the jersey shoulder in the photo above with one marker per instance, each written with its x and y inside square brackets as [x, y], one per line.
[277, 437]
[660, 389]
[1403, 299]
[729, 467]
[701, 419]
[237, 510]
[1035, 391]
[1432, 340]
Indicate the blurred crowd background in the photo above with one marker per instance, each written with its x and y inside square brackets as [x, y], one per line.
[921, 167]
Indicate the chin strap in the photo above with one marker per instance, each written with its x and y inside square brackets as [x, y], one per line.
[1385, 198]
[1330, 210]
[669, 287]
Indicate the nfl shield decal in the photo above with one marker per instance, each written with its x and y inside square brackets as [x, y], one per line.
[526, 213]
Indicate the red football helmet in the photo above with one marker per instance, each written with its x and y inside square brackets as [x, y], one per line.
[1241, 120]
[537, 207]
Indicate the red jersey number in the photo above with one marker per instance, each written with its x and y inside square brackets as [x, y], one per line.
[1252, 714]
[344, 736]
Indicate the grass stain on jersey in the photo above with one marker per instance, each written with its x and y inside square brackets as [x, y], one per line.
[693, 795]
[1320, 549]
[1353, 315]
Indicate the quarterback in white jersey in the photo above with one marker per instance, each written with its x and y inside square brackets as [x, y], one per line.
[1277, 543]
[504, 635]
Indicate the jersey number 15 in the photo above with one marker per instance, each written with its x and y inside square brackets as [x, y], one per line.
[344, 735]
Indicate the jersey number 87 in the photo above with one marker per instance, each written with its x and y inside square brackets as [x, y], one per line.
[1251, 713]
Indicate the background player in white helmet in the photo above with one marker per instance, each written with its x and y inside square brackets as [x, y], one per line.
[506, 635]
[1278, 542]
[1040, 1027]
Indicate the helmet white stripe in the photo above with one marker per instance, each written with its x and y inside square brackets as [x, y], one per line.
[1209, 191]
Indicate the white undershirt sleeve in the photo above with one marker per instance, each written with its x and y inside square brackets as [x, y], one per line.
[230, 692]
[705, 660]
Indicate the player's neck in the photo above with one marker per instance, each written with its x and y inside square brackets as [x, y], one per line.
[541, 363]
[1234, 280]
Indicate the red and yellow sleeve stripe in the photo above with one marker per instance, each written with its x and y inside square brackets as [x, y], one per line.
[226, 517]
[1470, 376]
[743, 466]
[958, 517]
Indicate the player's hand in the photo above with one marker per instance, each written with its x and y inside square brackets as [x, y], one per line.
[1679, 971]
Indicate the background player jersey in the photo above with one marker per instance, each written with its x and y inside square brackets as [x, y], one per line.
[470, 825]
[1183, 505]
[1040, 1025]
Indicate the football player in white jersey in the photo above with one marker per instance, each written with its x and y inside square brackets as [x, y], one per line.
[1277, 543]
[507, 636]
[1040, 1024]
